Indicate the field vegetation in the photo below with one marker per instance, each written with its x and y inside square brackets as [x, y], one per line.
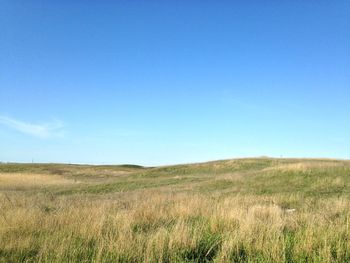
[243, 210]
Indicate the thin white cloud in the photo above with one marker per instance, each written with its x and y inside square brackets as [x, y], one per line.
[42, 130]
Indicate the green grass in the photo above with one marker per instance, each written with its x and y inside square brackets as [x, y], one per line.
[245, 210]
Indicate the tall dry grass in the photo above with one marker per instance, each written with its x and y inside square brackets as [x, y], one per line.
[150, 226]
[248, 210]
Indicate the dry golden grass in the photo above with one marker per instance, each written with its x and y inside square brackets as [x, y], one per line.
[29, 180]
[304, 165]
[154, 227]
[170, 220]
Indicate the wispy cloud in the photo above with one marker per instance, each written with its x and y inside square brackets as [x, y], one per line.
[42, 130]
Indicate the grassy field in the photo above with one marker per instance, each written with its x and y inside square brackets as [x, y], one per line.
[244, 210]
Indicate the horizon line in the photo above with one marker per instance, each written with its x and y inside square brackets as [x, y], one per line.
[176, 164]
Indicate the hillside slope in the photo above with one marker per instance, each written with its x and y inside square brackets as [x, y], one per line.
[254, 209]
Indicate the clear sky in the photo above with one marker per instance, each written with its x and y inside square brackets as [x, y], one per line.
[162, 82]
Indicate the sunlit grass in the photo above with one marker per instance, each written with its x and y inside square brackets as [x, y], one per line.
[249, 210]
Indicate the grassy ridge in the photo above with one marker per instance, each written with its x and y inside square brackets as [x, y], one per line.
[246, 210]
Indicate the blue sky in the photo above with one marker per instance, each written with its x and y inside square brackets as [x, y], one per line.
[162, 82]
